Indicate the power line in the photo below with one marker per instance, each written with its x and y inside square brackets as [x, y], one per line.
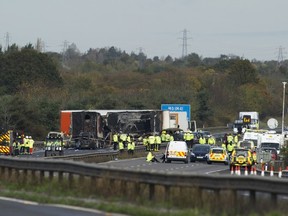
[280, 56]
[184, 43]
[7, 40]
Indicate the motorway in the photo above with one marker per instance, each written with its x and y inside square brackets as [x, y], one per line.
[140, 164]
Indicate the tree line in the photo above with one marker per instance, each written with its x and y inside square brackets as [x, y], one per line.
[35, 86]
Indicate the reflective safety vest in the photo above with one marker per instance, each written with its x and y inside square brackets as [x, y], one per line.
[121, 146]
[149, 157]
[230, 138]
[163, 137]
[230, 147]
[151, 140]
[16, 145]
[129, 147]
[236, 139]
[145, 141]
[202, 140]
[158, 140]
[211, 141]
[189, 136]
[123, 137]
[133, 145]
[115, 137]
[128, 139]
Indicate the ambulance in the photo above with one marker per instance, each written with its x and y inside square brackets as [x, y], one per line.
[177, 151]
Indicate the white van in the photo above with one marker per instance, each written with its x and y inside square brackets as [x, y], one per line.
[177, 151]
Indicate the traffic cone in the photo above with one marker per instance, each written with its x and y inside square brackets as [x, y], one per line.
[280, 172]
[271, 171]
[232, 170]
[246, 171]
[255, 171]
[262, 171]
[238, 170]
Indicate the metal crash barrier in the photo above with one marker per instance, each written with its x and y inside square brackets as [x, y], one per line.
[142, 185]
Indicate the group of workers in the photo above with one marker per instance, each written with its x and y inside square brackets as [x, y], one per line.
[23, 145]
[123, 141]
[230, 142]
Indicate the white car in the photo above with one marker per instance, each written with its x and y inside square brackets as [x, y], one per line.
[177, 151]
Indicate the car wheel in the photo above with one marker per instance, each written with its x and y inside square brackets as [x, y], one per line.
[209, 162]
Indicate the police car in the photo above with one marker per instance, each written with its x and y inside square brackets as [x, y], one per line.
[217, 154]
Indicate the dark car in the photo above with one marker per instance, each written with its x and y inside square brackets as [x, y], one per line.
[199, 152]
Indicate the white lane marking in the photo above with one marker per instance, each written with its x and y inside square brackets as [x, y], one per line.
[215, 171]
[19, 201]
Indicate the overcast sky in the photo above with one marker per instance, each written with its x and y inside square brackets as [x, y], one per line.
[253, 29]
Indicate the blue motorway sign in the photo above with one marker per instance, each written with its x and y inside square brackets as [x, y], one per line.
[177, 108]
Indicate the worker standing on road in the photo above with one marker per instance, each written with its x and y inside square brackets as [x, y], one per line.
[151, 141]
[31, 144]
[123, 138]
[16, 146]
[202, 140]
[128, 139]
[211, 140]
[129, 147]
[132, 146]
[121, 146]
[157, 142]
[188, 137]
[115, 140]
[230, 147]
[26, 145]
[230, 138]
[146, 143]
[163, 136]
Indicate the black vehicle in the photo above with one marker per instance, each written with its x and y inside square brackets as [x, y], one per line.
[199, 152]
[53, 145]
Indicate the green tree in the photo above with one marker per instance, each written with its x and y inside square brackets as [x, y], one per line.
[242, 72]
[27, 66]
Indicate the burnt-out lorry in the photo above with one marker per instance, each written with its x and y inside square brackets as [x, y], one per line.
[135, 122]
[85, 128]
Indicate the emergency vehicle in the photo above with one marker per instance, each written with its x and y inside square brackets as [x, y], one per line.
[241, 157]
[6, 141]
[54, 145]
[176, 151]
[217, 154]
[271, 139]
[252, 135]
